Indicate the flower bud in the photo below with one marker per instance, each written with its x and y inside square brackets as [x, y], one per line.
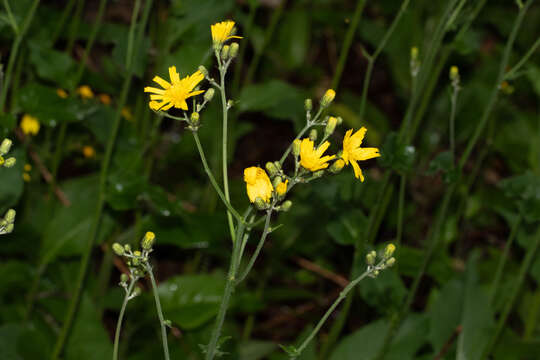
[225, 52]
[260, 204]
[296, 147]
[286, 206]
[414, 53]
[375, 273]
[454, 73]
[230, 104]
[148, 240]
[328, 97]
[308, 104]
[194, 118]
[337, 166]
[318, 174]
[313, 135]
[118, 249]
[390, 262]
[2, 161]
[127, 247]
[137, 291]
[10, 216]
[209, 94]
[233, 52]
[389, 250]
[5, 146]
[137, 253]
[281, 188]
[371, 257]
[167, 323]
[9, 228]
[10, 162]
[124, 278]
[277, 180]
[330, 126]
[271, 169]
[203, 71]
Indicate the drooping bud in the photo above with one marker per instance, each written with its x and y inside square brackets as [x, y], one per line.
[328, 97]
[5, 146]
[118, 249]
[296, 147]
[10, 162]
[271, 169]
[337, 166]
[233, 52]
[148, 240]
[225, 52]
[286, 206]
[389, 250]
[308, 104]
[209, 94]
[203, 71]
[10, 216]
[330, 126]
[313, 135]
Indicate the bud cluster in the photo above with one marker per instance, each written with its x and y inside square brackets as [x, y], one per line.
[385, 258]
[4, 149]
[7, 223]
[136, 260]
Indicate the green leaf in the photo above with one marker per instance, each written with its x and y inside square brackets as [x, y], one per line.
[347, 228]
[525, 190]
[191, 300]
[395, 155]
[53, 65]
[294, 38]
[444, 163]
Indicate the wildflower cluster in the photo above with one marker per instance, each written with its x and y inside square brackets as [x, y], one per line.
[137, 260]
[386, 260]
[4, 149]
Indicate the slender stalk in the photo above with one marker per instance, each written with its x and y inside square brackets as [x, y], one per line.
[10, 17]
[401, 206]
[213, 179]
[14, 51]
[260, 245]
[453, 101]
[121, 318]
[63, 18]
[373, 58]
[74, 303]
[308, 125]
[74, 26]
[159, 312]
[512, 73]
[504, 258]
[531, 254]
[349, 36]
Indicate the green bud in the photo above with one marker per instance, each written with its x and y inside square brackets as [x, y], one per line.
[376, 273]
[330, 126]
[271, 169]
[454, 74]
[10, 216]
[328, 97]
[5, 146]
[277, 180]
[203, 70]
[414, 53]
[10, 162]
[390, 262]
[194, 118]
[148, 240]
[261, 204]
[225, 52]
[313, 135]
[3, 223]
[339, 120]
[127, 247]
[124, 278]
[230, 103]
[167, 323]
[286, 205]
[209, 94]
[308, 104]
[371, 257]
[296, 147]
[118, 249]
[389, 250]
[136, 261]
[9, 228]
[137, 291]
[337, 166]
[318, 174]
[233, 52]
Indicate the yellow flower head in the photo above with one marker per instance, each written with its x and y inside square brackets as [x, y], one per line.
[174, 93]
[310, 158]
[26, 177]
[105, 99]
[127, 114]
[61, 93]
[258, 184]
[222, 31]
[85, 92]
[29, 125]
[352, 152]
[27, 167]
[88, 151]
[281, 188]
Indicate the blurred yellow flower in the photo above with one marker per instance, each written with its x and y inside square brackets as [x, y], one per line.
[88, 151]
[281, 188]
[222, 31]
[85, 92]
[258, 184]
[26, 177]
[352, 152]
[105, 99]
[127, 114]
[174, 93]
[27, 167]
[29, 125]
[310, 158]
[61, 93]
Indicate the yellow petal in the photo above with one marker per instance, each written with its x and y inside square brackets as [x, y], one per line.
[357, 171]
[163, 83]
[173, 74]
[153, 90]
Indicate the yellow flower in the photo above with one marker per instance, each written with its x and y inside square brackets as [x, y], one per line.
[26, 177]
[61, 93]
[105, 99]
[29, 125]
[222, 31]
[88, 151]
[310, 158]
[258, 184]
[352, 152]
[27, 167]
[126, 113]
[281, 188]
[174, 93]
[85, 92]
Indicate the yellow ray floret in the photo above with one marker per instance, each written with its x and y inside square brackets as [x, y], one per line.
[29, 125]
[352, 152]
[222, 31]
[174, 93]
[311, 158]
[258, 184]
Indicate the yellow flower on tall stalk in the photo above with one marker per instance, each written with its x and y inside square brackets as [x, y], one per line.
[222, 31]
[29, 125]
[174, 93]
[85, 92]
[311, 158]
[352, 152]
[258, 184]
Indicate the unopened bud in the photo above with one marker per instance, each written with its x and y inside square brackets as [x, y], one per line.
[308, 104]
[390, 262]
[10, 216]
[5, 146]
[389, 250]
[194, 118]
[148, 240]
[137, 291]
[225, 52]
[281, 188]
[203, 71]
[124, 278]
[9, 228]
[277, 180]
[414, 53]
[318, 174]
[330, 126]
[313, 135]
[260, 204]
[233, 52]
[230, 104]
[371, 257]
[118, 249]
[337, 166]
[10, 162]
[454, 73]
[209, 94]
[271, 169]
[376, 273]
[286, 206]
[2, 161]
[296, 147]
[328, 97]
[127, 247]
[167, 323]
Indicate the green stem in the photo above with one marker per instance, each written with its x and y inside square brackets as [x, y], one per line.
[74, 26]
[159, 312]
[63, 18]
[308, 125]
[531, 255]
[453, 120]
[121, 318]
[10, 17]
[401, 206]
[258, 249]
[14, 51]
[504, 258]
[349, 36]
[512, 73]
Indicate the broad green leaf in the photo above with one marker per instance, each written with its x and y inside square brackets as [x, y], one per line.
[347, 228]
[275, 98]
[53, 65]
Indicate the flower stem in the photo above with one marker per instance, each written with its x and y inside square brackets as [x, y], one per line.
[159, 312]
[260, 245]
[10, 17]
[453, 101]
[400, 209]
[121, 318]
[512, 73]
